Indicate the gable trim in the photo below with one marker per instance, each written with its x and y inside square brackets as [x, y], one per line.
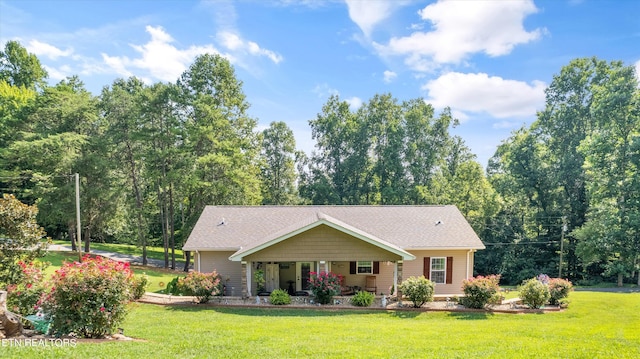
[333, 223]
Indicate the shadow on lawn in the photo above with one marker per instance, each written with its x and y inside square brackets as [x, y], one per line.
[471, 315]
[272, 312]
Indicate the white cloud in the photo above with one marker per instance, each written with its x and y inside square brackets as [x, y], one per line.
[367, 14]
[158, 57]
[462, 28]
[43, 49]
[389, 76]
[58, 73]
[354, 103]
[480, 93]
[236, 44]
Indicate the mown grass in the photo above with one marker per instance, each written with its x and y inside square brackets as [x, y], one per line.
[597, 325]
[152, 252]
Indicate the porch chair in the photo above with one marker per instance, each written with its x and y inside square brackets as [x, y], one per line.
[345, 289]
[371, 284]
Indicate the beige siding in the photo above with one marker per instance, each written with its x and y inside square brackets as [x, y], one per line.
[219, 261]
[339, 253]
[321, 243]
[415, 269]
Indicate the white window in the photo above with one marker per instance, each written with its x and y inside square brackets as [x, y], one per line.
[364, 267]
[438, 269]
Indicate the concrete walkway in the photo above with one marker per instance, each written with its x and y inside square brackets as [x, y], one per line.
[136, 260]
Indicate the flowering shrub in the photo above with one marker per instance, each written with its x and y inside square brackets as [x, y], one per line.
[559, 289]
[139, 286]
[201, 285]
[23, 296]
[362, 299]
[418, 289]
[479, 291]
[324, 286]
[534, 293]
[88, 298]
[279, 297]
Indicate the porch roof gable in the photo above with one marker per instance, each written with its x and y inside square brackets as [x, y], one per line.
[314, 221]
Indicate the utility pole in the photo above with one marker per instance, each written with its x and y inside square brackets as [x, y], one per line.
[564, 229]
[78, 227]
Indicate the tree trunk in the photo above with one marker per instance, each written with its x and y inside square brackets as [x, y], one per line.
[72, 236]
[188, 259]
[620, 277]
[163, 224]
[136, 190]
[11, 324]
[87, 239]
[172, 229]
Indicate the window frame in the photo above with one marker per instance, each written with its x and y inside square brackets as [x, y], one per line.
[358, 266]
[432, 270]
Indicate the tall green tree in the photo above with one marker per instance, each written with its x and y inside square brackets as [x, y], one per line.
[612, 231]
[121, 110]
[278, 168]
[221, 137]
[20, 68]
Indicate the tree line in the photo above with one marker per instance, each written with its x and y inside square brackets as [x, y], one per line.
[559, 196]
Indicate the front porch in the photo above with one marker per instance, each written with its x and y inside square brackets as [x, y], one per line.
[378, 277]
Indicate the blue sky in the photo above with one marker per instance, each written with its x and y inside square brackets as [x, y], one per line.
[490, 61]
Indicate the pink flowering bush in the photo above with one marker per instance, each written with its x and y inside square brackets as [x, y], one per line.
[480, 290]
[88, 298]
[23, 296]
[559, 289]
[324, 286]
[201, 285]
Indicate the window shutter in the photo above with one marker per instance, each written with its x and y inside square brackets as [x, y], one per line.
[376, 267]
[449, 270]
[426, 270]
[352, 267]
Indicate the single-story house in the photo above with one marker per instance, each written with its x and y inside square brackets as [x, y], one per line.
[370, 246]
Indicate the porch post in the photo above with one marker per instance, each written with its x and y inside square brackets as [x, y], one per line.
[244, 276]
[399, 279]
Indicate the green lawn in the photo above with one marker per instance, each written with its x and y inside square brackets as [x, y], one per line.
[597, 325]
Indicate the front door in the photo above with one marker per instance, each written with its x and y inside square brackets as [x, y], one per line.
[272, 277]
[303, 274]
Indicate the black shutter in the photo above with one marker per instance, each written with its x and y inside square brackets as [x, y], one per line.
[426, 270]
[376, 267]
[449, 270]
[352, 267]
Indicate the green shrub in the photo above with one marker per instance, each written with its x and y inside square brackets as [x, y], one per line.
[324, 286]
[172, 287]
[419, 290]
[534, 293]
[201, 285]
[559, 289]
[23, 296]
[279, 297]
[362, 299]
[88, 298]
[140, 284]
[480, 291]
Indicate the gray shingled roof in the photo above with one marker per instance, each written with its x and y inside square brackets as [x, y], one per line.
[240, 228]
